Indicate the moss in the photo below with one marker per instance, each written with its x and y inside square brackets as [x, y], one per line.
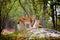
[14, 36]
[19, 36]
[37, 38]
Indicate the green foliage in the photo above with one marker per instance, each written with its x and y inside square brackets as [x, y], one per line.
[33, 7]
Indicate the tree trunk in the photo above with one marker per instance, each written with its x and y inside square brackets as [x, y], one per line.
[0, 23]
[44, 14]
[4, 18]
[56, 15]
[52, 15]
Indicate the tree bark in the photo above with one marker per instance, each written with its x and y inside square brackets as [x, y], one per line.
[4, 19]
[52, 15]
[56, 15]
[44, 14]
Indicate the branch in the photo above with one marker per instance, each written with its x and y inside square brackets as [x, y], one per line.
[23, 8]
[6, 15]
[28, 1]
[34, 7]
[11, 7]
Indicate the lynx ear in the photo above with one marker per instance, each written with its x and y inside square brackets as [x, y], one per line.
[20, 20]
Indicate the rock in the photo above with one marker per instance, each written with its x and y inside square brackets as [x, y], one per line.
[44, 32]
[6, 31]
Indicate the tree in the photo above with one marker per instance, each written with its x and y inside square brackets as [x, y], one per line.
[44, 12]
[53, 12]
[5, 13]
